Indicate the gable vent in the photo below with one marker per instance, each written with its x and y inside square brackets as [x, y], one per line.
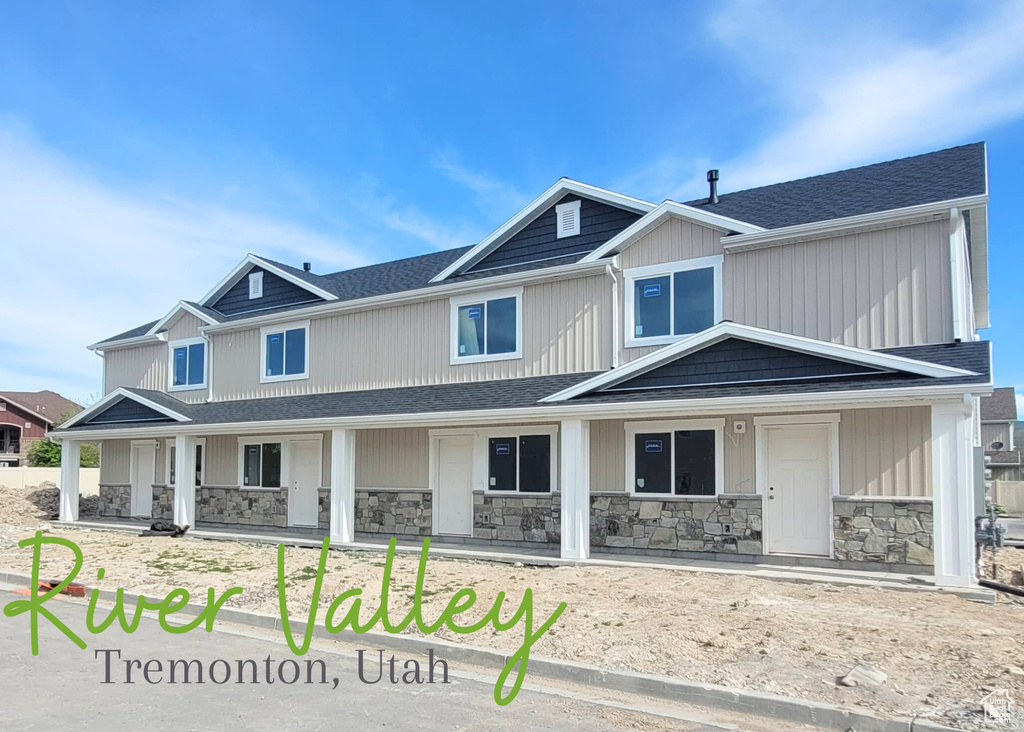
[567, 219]
[255, 285]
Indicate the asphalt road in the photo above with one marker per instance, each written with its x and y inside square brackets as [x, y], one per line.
[62, 689]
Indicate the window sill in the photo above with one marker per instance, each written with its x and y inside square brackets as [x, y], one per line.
[655, 340]
[256, 488]
[289, 377]
[188, 387]
[674, 497]
[484, 359]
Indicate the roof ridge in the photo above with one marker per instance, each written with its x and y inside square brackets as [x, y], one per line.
[703, 201]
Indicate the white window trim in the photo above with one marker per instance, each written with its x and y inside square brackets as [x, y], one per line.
[479, 299]
[168, 462]
[285, 441]
[269, 329]
[670, 268]
[184, 343]
[635, 428]
[574, 206]
[480, 478]
[255, 278]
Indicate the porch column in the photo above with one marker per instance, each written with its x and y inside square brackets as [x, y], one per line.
[185, 480]
[70, 454]
[343, 486]
[575, 485]
[953, 492]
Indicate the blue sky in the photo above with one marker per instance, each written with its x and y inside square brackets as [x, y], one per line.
[142, 154]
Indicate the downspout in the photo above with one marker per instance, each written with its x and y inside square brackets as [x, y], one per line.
[956, 272]
[209, 370]
[612, 269]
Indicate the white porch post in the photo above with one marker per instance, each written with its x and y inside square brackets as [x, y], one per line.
[953, 492]
[70, 454]
[343, 486]
[575, 485]
[185, 480]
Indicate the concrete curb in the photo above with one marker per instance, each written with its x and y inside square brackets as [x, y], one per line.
[789, 709]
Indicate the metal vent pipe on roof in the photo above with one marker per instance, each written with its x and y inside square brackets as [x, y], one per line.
[306, 266]
[713, 186]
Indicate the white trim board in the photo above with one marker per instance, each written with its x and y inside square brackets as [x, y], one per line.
[726, 330]
[534, 209]
[103, 403]
[175, 314]
[666, 210]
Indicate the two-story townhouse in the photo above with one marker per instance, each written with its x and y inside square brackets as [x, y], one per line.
[998, 424]
[787, 373]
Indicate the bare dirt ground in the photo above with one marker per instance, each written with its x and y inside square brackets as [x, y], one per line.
[941, 653]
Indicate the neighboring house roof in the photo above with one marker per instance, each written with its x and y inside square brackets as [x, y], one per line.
[520, 393]
[49, 405]
[1003, 457]
[945, 175]
[1000, 405]
[957, 172]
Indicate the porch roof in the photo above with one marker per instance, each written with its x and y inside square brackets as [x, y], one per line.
[526, 393]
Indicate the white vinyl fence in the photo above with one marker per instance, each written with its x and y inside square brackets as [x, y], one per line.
[1009, 493]
[88, 478]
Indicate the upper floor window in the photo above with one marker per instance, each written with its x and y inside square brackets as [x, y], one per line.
[666, 302]
[188, 364]
[487, 328]
[285, 352]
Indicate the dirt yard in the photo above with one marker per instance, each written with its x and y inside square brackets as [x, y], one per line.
[941, 653]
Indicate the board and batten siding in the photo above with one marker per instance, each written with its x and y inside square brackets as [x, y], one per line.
[995, 432]
[875, 289]
[566, 329]
[114, 458]
[187, 326]
[882, 452]
[139, 367]
[392, 458]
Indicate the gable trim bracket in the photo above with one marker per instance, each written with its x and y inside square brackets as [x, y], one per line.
[165, 321]
[534, 209]
[720, 332]
[112, 397]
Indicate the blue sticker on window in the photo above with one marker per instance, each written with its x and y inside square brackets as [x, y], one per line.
[274, 338]
[652, 290]
[475, 312]
[652, 446]
[502, 448]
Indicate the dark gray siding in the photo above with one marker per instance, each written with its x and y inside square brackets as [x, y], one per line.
[734, 360]
[277, 292]
[127, 410]
[599, 222]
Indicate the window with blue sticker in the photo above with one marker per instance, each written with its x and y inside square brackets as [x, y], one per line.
[679, 463]
[678, 301]
[487, 328]
[188, 364]
[284, 353]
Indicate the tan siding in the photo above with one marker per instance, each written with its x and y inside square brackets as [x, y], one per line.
[222, 460]
[995, 432]
[885, 452]
[394, 458]
[673, 241]
[114, 457]
[186, 327]
[877, 289]
[566, 328]
[141, 367]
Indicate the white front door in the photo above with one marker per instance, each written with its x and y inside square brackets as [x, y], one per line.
[143, 476]
[455, 485]
[798, 494]
[304, 476]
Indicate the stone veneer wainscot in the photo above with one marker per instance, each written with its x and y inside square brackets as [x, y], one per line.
[115, 500]
[890, 530]
[724, 524]
[535, 518]
[394, 511]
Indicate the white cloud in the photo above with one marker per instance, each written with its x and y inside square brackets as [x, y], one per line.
[84, 260]
[1020, 401]
[491, 194]
[850, 92]
[414, 222]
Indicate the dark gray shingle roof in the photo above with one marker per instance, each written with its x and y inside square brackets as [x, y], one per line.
[937, 176]
[527, 392]
[1000, 405]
